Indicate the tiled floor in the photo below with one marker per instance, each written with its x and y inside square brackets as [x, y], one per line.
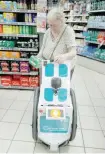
[16, 117]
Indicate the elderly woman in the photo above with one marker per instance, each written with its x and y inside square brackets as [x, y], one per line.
[59, 40]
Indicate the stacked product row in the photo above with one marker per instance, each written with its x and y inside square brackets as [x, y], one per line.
[18, 4]
[6, 29]
[16, 55]
[97, 5]
[18, 32]
[97, 36]
[96, 21]
[93, 52]
[19, 81]
[27, 43]
[13, 17]
[16, 66]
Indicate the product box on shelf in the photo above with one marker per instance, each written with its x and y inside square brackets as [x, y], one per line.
[24, 54]
[1, 28]
[6, 80]
[5, 54]
[4, 66]
[15, 66]
[15, 82]
[33, 81]
[24, 67]
[14, 54]
[24, 81]
[9, 17]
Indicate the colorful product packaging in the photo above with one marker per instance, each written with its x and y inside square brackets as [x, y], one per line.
[6, 80]
[24, 67]
[24, 81]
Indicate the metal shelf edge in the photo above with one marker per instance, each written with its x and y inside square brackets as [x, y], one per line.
[17, 87]
[19, 35]
[18, 73]
[92, 58]
[19, 11]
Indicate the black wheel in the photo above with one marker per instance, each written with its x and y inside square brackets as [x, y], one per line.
[34, 116]
[74, 120]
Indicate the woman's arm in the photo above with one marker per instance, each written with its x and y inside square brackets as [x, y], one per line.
[70, 54]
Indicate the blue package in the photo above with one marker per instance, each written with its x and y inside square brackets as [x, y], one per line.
[48, 94]
[63, 70]
[49, 70]
[62, 95]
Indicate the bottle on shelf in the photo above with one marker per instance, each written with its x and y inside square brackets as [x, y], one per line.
[35, 4]
[30, 18]
[21, 4]
[25, 4]
[14, 3]
[18, 4]
[32, 5]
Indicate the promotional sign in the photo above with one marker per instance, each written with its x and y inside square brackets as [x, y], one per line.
[41, 15]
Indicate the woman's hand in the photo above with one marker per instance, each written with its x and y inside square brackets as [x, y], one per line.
[59, 59]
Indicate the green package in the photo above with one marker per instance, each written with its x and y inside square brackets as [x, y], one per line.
[35, 62]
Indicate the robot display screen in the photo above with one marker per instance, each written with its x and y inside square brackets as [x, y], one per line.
[55, 113]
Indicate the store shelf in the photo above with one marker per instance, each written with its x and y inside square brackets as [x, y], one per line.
[18, 23]
[100, 28]
[78, 15]
[91, 58]
[18, 73]
[15, 59]
[19, 11]
[66, 10]
[20, 35]
[18, 49]
[81, 37]
[76, 29]
[68, 21]
[16, 87]
[97, 11]
[93, 42]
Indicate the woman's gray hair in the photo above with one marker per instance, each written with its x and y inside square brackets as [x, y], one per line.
[56, 13]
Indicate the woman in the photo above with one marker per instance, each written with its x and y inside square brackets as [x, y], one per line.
[59, 40]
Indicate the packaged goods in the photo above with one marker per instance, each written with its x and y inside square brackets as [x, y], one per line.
[1, 28]
[15, 66]
[24, 67]
[6, 80]
[4, 66]
[15, 54]
[15, 82]
[24, 54]
[9, 17]
[33, 82]
[24, 81]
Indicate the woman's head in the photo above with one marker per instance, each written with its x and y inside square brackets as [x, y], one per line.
[56, 19]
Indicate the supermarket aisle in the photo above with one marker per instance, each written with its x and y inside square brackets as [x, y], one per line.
[16, 112]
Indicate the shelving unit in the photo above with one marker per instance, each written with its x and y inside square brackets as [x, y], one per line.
[18, 23]
[93, 56]
[79, 27]
[17, 87]
[93, 42]
[19, 11]
[21, 27]
[84, 22]
[19, 35]
[19, 49]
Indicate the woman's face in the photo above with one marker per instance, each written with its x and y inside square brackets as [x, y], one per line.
[54, 25]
